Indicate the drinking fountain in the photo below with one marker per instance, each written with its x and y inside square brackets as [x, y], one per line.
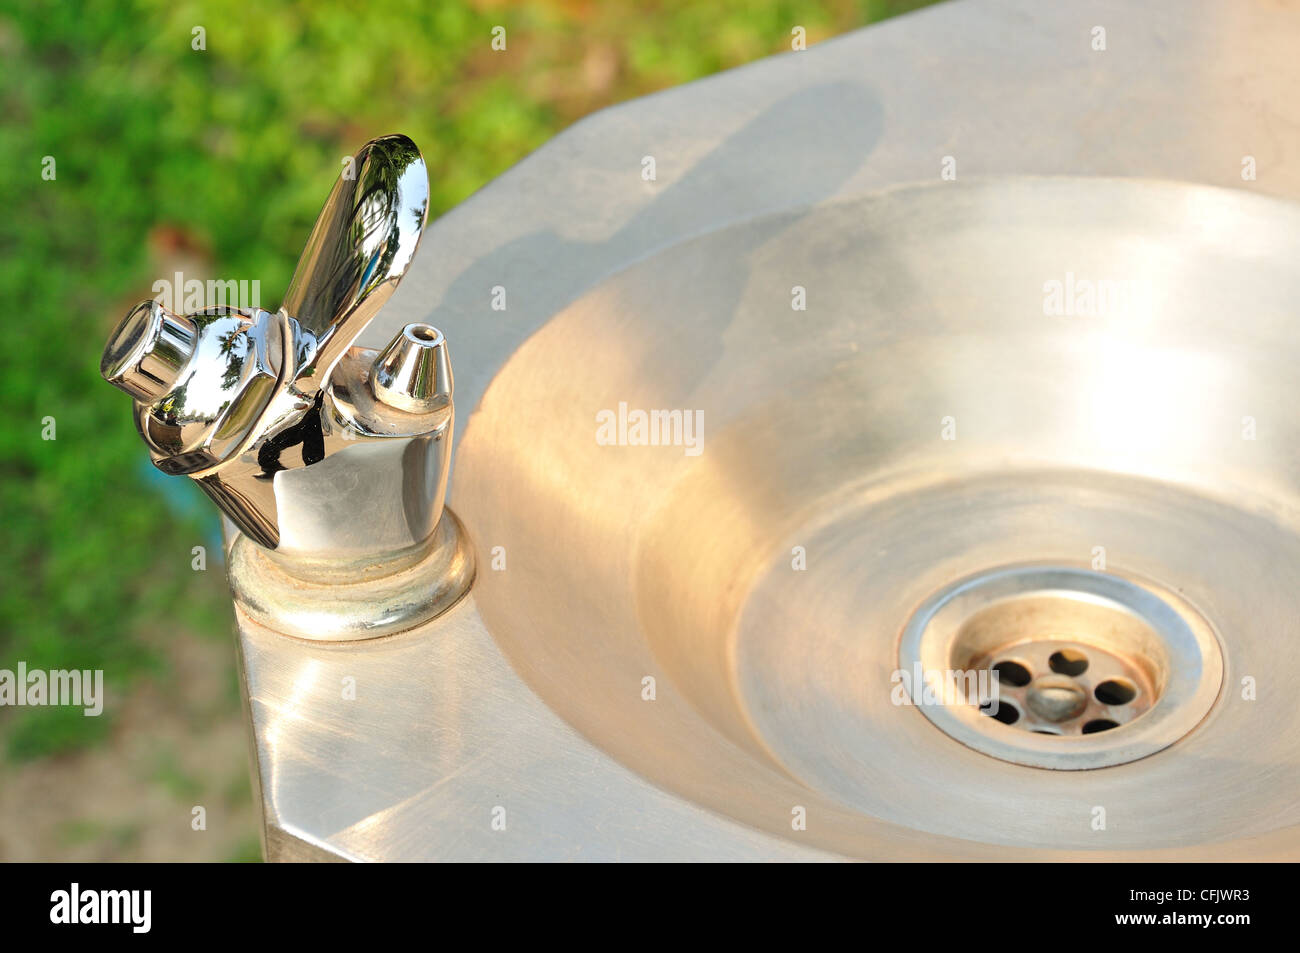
[330, 460]
[960, 346]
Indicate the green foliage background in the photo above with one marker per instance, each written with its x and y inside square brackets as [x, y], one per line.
[233, 148]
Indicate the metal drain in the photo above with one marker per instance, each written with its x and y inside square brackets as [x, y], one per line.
[1064, 687]
[1062, 668]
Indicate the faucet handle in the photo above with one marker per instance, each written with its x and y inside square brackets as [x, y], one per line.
[361, 246]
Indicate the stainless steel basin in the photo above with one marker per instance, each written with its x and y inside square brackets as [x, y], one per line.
[1041, 411]
[927, 417]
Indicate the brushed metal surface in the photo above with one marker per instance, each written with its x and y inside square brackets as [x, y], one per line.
[824, 429]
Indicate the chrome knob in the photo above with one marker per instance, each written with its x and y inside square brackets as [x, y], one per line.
[147, 350]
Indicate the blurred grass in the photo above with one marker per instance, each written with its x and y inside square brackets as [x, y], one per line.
[233, 148]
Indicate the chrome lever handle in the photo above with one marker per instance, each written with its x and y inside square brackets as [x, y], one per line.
[296, 433]
[359, 249]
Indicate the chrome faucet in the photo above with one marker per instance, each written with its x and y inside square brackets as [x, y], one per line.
[299, 436]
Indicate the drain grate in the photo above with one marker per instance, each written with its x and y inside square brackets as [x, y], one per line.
[1060, 687]
[1092, 669]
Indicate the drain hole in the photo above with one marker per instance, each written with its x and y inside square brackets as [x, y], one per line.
[1004, 712]
[1013, 673]
[1077, 654]
[1115, 691]
[1068, 662]
[1099, 724]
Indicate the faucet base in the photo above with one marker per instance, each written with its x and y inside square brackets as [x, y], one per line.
[354, 602]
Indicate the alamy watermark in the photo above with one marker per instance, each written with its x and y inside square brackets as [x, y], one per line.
[947, 688]
[79, 688]
[133, 908]
[181, 295]
[1096, 297]
[651, 428]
